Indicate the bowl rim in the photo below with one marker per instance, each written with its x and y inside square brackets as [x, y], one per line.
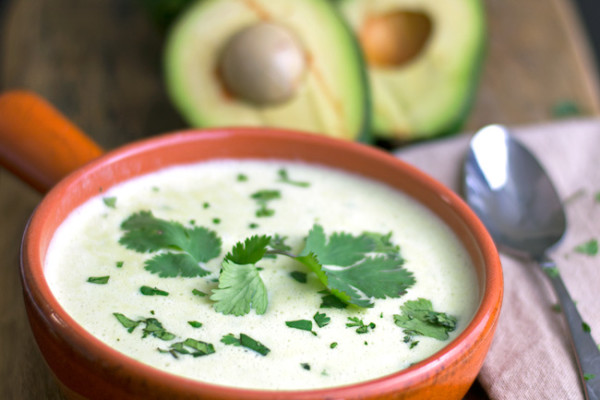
[36, 238]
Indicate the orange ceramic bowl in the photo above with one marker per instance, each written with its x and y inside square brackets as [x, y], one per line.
[88, 368]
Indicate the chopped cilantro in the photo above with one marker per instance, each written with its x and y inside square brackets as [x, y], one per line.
[333, 345]
[299, 276]
[195, 348]
[230, 339]
[360, 326]
[148, 291]
[321, 319]
[253, 225]
[586, 328]
[110, 202]
[301, 324]
[198, 293]
[216, 221]
[145, 233]
[552, 272]
[590, 247]
[247, 342]
[119, 264]
[240, 288]
[418, 318]
[154, 327]
[283, 177]
[205, 204]
[306, 366]
[262, 197]
[126, 322]
[588, 377]
[99, 280]
[362, 277]
[195, 324]
[242, 178]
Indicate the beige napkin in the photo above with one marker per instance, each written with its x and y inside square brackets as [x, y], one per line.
[530, 357]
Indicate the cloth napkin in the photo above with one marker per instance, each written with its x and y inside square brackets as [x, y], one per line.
[530, 356]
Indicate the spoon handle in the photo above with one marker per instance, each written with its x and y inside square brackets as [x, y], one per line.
[586, 350]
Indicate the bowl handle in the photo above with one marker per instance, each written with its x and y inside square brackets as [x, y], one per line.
[38, 143]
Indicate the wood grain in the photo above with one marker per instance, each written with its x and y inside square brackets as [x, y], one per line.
[99, 62]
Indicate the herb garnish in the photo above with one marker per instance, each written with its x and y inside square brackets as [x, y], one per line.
[242, 178]
[119, 264]
[306, 366]
[98, 280]
[247, 342]
[360, 326]
[240, 288]
[363, 276]
[199, 293]
[110, 202]
[152, 327]
[148, 291]
[590, 247]
[283, 177]
[195, 324]
[418, 318]
[262, 197]
[321, 319]
[301, 324]
[332, 301]
[145, 233]
[196, 348]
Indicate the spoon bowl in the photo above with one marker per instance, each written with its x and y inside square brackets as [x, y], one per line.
[515, 199]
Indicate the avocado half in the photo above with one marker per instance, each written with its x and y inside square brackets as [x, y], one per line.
[424, 59]
[280, 63]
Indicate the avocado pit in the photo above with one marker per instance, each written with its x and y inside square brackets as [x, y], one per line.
[262, 64]
[394, 38]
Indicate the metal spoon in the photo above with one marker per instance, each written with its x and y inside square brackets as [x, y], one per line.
[513, 196]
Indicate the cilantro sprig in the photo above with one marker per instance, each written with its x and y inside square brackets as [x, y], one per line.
[184, 248]
[356, 268]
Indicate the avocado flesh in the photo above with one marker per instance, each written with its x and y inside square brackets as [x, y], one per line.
[331, 99]
[431, 94]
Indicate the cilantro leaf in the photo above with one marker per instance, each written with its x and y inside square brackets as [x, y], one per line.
[590, 247]
[126, 322]
[262, 197]
[198, 348]
[145, 233]
[342, 249]
[195, 324]
[301, 324]
[170, 265]
[299, 276]
[284, 178]
[154, 327]
[148, 291]
[362, 277]
[110, 202]
[382, 244]
[332, 301]
[360, 326]
[321, 319]
[99, 280]
[240, 288]
[251, 251]
[418, 318]
[247, 342]
[230, 339]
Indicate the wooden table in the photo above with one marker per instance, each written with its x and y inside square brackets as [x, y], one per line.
[99, 62]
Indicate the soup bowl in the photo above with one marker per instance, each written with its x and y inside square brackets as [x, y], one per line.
[85, 367]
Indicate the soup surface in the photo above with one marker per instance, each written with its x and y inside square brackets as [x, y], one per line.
[151, 268]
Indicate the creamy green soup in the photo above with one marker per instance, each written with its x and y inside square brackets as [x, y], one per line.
[149, 267]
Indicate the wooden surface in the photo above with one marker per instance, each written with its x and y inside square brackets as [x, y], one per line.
[99, 61]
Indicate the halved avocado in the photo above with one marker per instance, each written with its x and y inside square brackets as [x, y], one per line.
[279, 63]
[424, 59]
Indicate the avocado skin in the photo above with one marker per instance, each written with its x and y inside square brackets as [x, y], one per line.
[444, 122]
[201, 117]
